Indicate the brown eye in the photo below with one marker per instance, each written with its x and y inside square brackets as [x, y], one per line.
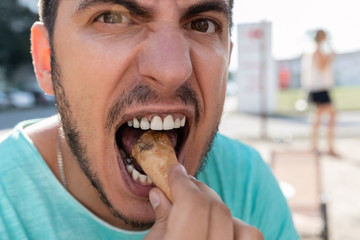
[112, 18]
[203, 25]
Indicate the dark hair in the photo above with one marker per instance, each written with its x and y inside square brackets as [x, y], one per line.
[48, 12]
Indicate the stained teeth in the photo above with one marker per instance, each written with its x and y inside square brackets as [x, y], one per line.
[168, 122]
[122, 152]
[136, 123]
[156, 123]
[128, 160]
[144, 124]
[130, 123]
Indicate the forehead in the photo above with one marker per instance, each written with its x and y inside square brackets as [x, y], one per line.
[79, 5]
[154, 2]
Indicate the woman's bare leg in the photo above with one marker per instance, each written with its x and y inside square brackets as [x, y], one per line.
[315, 129]
[331, 128]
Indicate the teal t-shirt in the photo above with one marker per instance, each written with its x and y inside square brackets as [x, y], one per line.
[34, 205]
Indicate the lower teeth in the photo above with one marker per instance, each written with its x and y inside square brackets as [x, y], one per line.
[128, 160]
[136, 175]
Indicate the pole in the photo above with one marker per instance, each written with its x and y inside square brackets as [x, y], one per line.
[263, 82]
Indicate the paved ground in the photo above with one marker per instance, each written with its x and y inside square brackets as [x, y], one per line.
[341, 183]
[10, 118]
[341, 176]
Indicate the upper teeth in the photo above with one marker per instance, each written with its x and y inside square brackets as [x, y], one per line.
[157, 123]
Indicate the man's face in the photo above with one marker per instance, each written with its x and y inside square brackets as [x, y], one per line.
[126, 66]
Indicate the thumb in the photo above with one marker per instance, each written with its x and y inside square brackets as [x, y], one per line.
[161, 206]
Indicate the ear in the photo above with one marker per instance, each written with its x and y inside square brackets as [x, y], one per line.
[231, 48]
[41, 51]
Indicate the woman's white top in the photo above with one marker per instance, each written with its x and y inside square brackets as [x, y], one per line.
[313, 77]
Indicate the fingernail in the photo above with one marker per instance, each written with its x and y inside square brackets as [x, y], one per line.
[194, 178]
[154, 199]
[182, 168]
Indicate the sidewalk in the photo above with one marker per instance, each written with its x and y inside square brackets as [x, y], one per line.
[340, 182]
[282, 128]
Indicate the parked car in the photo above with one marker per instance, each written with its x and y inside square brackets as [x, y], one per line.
[4, 101]
[21, 99]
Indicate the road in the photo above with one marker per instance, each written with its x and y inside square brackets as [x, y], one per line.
[8, 119]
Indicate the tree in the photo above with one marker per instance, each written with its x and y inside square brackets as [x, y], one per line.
[15, 24]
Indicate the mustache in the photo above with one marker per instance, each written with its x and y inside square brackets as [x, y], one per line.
[142, 94]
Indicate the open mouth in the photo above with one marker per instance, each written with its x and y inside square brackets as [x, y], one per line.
[174, 125]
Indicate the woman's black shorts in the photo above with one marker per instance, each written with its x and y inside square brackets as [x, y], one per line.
[319, 97]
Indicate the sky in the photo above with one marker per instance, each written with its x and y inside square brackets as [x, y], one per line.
[292, 19]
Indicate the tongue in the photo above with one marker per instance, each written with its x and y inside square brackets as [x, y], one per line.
[129, 137]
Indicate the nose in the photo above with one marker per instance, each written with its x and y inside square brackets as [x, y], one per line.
[164, 61]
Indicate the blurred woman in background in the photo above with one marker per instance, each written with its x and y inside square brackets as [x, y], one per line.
[318, 81]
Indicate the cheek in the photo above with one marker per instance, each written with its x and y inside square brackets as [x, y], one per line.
[212, 80]
[211, 76]
[94, 66]
[92, 72]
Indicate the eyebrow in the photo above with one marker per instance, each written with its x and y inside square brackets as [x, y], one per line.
[219, 6]
[131, 5]
[206, 6]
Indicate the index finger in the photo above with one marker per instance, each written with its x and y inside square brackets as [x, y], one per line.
[179, 182]
[191, 207]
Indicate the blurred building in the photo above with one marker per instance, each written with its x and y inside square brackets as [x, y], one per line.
[346, 71]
